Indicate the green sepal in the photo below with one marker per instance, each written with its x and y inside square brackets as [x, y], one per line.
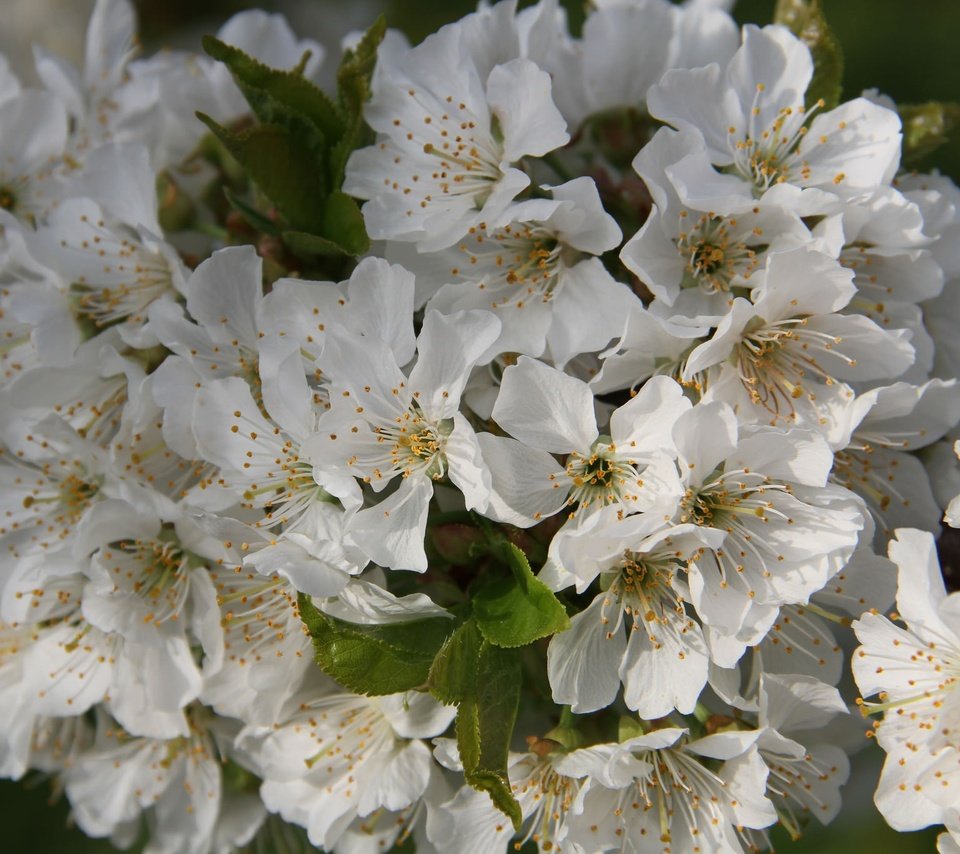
[516, 610]
[273, 94]
[282, 166]
[805, 19]
[926, 127]
[565, 733]
[374, 660]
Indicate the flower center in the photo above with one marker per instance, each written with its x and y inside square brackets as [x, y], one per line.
[601, 477]
[713, 253]
[778, 361]
[768, 155]
[416, 444]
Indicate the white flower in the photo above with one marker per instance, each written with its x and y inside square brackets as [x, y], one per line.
[782, 359]
[177, 782]
[636, 630]
[751, 115]
[33, 134]
[696, 261]
[385, 425]
[664, 792]
[449, 133]
[533, 268]
[767, 490]
[550, 412]
[333, 758]
[873, 457]
[916, 673]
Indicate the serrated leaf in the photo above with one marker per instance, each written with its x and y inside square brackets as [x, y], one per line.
[268, 89]
[484, 681]
[926, 127]
[453, 672]
[485, 724]
[282, 166]
[806, 21]
[515, 610]
[374, 660]
[356, 68]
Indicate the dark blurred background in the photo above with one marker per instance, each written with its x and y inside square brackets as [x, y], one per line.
[906, 50]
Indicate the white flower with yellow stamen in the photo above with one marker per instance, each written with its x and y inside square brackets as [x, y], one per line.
[695, 261]
[535, 268]
[783, 360]
[112, 271]
[450, 129]
[175, 782]
[915, 671]
[332, 758]
[33, 135]
[873, 459]
[549, 413]
[385, 426]
[767, 490]
[666, 792]
[758, 133]
[637, 630]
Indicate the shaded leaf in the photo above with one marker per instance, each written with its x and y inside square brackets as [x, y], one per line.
[343, 224]
[268, 90]
[453, 672]
[305, 244]
[356, 68]
[806, 21]
[484, 681]
[282, 166]
[257, 220]
[374, 660]
[485, 724]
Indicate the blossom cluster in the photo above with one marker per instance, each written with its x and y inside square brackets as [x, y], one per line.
[642, 309]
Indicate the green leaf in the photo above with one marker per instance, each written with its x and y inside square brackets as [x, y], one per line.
[516, 610]
[282, 166]
[342, 231]
[806, 21]
[485, 724]
[484, 681]
[305, 244]
[271, 92]
[356, 68]
[453, 672]
[926, 127]
[343, 224]
[374, 659]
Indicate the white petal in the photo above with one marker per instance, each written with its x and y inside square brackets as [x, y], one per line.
[582, 661]
[545, 408]
[391, 533]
